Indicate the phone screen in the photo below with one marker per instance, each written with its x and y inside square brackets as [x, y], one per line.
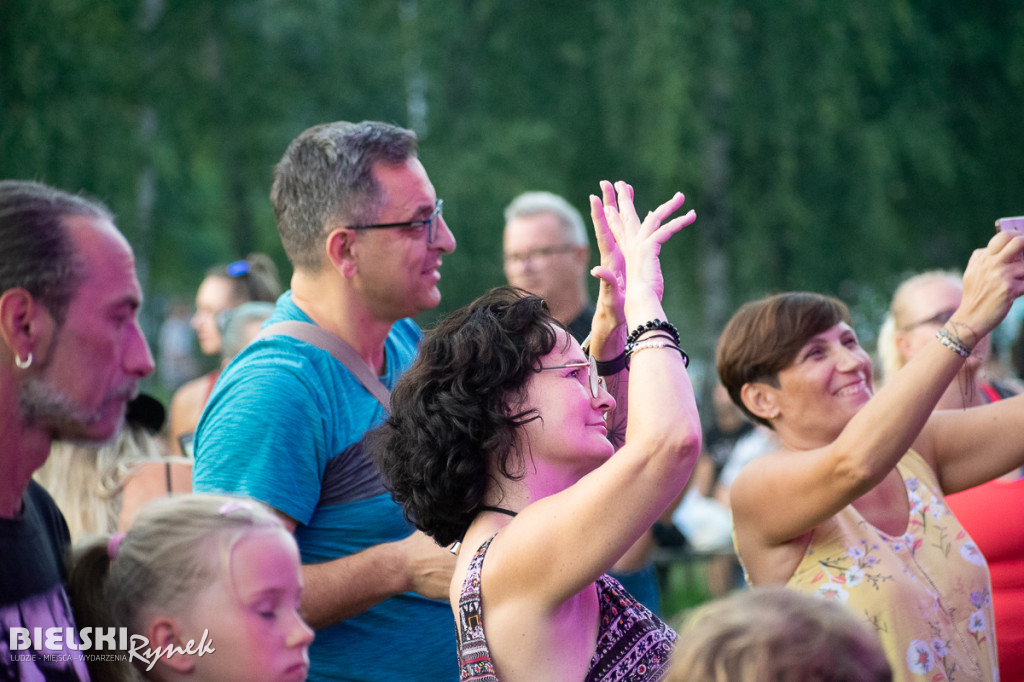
[1010, 224]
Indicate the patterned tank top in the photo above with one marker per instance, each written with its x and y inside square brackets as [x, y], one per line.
[926, 592]
[632, 643]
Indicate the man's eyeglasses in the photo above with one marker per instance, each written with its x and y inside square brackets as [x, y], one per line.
[430, 223]
[596, 382]
[937, 319]
[541, 252]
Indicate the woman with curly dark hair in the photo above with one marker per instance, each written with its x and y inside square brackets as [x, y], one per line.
[501, 439]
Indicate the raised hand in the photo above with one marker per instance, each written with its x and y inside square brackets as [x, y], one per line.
[993, 279]
[630, 247]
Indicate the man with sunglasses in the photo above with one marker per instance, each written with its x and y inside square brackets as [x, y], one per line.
[361, 224]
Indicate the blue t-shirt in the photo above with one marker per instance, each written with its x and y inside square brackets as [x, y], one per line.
[285, 425]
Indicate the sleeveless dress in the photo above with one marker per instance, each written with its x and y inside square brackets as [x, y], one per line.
[926, 592]
[632, 643]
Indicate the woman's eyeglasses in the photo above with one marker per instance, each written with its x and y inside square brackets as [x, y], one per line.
[596, 382]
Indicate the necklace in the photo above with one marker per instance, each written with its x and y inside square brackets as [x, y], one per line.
[484, 507]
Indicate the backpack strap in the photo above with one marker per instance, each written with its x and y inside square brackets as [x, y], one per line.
[342, 352]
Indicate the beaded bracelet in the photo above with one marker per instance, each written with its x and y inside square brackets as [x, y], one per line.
[952, 342]
[661, 335]
[650, 326]
[645, 345]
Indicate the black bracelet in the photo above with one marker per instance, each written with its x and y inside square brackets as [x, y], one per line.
[606, 368]
[650, 326]
[652, 337]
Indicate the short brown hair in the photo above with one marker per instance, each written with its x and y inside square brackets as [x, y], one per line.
[764, 336]
[326, 174]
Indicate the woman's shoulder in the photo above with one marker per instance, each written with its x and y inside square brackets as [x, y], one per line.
[151, 480]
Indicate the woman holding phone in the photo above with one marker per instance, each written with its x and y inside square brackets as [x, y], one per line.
[852, 506]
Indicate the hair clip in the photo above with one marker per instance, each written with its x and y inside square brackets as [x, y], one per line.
[114, 545]
[232, 506]
[238, 268]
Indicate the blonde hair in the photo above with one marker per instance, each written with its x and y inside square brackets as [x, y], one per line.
[86, 482]
[176, 547]
[901, 315]
[773, 634]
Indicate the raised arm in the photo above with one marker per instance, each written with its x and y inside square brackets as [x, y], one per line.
[563, 542]
[608, 330]
[807, 486]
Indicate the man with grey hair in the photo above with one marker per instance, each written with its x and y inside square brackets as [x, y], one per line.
[361, 224]
[546, 252]
[71, 356]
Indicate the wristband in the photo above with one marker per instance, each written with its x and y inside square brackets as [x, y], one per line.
[606, 368]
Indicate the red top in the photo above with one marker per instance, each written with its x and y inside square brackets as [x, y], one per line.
[993, 515]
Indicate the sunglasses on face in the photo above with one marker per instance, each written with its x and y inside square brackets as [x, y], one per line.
[938, 319]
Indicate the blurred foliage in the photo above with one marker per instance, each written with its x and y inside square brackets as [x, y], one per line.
[825, 146]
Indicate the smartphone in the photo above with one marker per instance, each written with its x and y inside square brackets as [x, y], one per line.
[1010, 224]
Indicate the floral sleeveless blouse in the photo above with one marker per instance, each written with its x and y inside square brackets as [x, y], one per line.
[926, 592]
[632, 643]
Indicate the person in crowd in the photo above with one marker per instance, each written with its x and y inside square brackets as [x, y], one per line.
[100, 489]
[175, 362]
[212, 584]
[224, 287]
[772, 634]
[702, 517]
[920, 306]
[362, 226]
[546, 252]
[241, 325]
[852, 506]
[71, 356]
[993, 512]
[500, 439]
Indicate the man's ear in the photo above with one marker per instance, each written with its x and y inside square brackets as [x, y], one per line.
[341, 251]
[760, 399]
[164, 634]
[26, 326]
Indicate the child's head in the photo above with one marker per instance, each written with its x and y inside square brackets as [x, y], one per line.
[774, 634]
[203, 564]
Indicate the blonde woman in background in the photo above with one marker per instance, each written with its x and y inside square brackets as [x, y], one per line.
[919, 308]
[99, 490]
[224, 287]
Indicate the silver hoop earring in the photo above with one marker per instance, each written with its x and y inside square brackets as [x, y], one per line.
[23, 364]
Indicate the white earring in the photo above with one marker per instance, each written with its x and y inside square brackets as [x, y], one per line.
[23, 364]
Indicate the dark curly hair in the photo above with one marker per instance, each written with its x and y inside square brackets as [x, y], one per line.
[455, 412]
